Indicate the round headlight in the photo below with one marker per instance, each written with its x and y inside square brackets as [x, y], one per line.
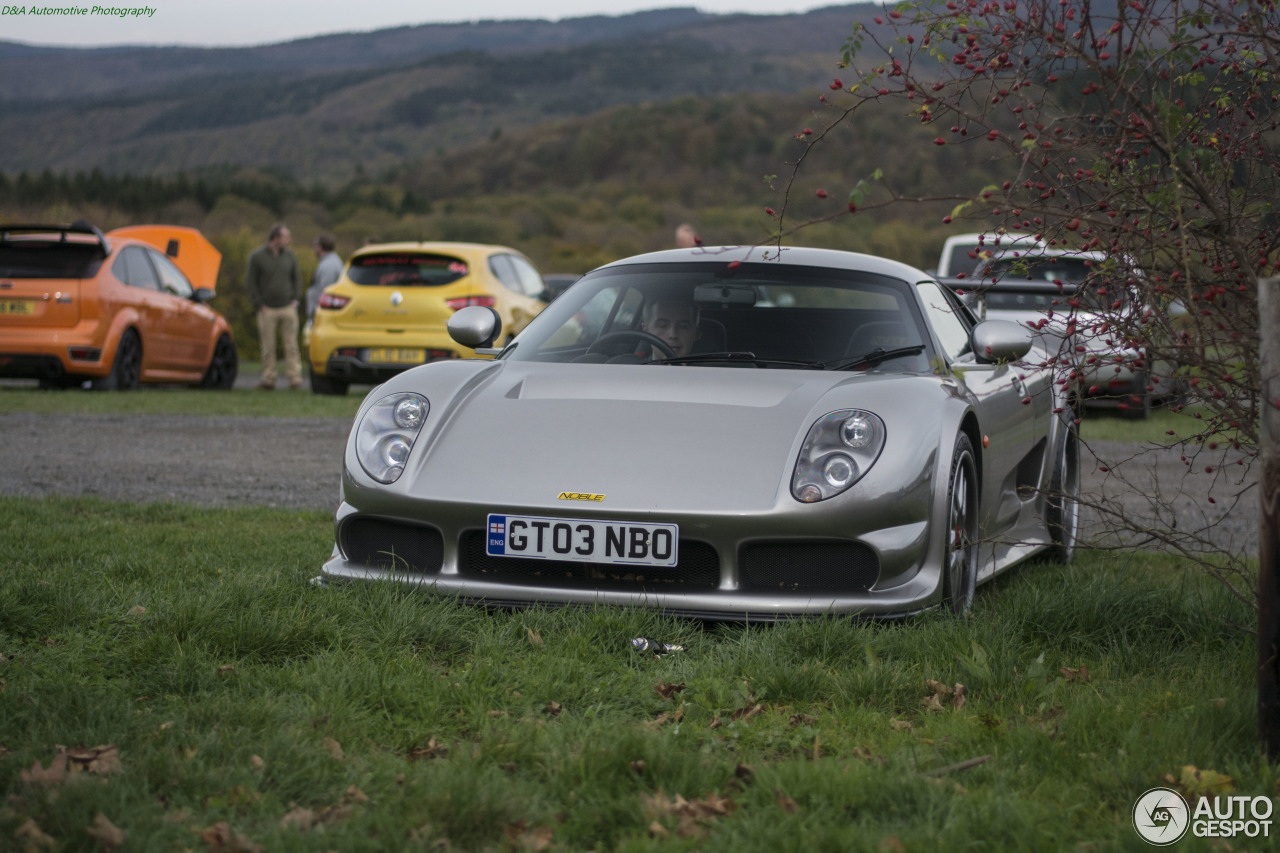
[384, 439]
[410, 412]
[839, 470]
[838, 451]
[857, 431]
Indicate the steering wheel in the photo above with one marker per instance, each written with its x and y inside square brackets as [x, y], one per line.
[633, 334]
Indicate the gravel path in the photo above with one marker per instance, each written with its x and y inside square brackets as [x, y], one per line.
[296, 463]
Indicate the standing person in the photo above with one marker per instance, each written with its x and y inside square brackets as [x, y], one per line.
[274, 288]
[328, 271]
[686, 236]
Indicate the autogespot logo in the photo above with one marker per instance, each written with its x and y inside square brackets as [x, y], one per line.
[1161, 816]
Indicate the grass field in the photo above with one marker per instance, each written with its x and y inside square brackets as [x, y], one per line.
[211, 699]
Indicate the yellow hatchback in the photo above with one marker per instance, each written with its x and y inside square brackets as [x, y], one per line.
[388, 311]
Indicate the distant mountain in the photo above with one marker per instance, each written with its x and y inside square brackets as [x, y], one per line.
[319, 108]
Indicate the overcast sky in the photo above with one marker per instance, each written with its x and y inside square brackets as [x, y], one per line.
[245, 22]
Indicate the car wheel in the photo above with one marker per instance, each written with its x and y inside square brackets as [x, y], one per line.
[960, 556]
[1062, 506]
[223, 366]
[321, 384]
[126, 368]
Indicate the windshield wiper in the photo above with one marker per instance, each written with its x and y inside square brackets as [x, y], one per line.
[874, 357]
[745, 357]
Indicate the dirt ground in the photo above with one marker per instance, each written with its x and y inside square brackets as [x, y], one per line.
[297, 463]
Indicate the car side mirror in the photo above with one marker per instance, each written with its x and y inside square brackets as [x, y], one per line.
[476, 326]
[202, 295]
[997, 341]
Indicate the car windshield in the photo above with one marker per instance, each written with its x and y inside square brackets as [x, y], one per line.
[400, 269]
[1061, 283]
[764, 315]
[49, 259]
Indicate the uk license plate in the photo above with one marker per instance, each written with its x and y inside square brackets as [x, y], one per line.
[17, 306]
[619, 543]
[397, 356]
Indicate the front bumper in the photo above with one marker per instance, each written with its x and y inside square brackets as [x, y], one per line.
[759, 568]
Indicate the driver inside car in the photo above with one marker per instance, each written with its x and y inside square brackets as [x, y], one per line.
[674, 321]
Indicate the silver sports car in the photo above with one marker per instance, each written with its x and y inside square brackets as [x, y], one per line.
[727, 433]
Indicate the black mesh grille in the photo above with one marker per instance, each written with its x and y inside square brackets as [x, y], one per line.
[698, 568]
[393, 545]
[800, 566]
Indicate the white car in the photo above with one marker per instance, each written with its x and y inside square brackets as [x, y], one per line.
[962, 253]
[1062, 294]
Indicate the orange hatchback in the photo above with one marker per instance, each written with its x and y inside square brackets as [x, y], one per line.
[113, 310]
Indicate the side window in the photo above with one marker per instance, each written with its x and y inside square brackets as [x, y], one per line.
[133, 268]
[171, 278]
[530, 279]
[505, 272]
[949, 325]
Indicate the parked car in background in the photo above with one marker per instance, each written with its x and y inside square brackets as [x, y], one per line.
[389, 310]
[746, 434]
[961, 253]
[112, 310]
[1062, 294]
[557, 283]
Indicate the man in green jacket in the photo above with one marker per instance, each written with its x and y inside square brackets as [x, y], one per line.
[274, 288]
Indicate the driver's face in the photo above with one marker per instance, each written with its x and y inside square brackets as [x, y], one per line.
[673, 322]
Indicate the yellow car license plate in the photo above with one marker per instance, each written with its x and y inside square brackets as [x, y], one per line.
[17, 306]
[397, 356]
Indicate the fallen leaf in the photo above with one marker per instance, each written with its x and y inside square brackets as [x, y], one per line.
[1080, 674]
[256, 762]
[787, 804]
[41, 777]
[1197, 783]
[637, 767]
[900, 725]
[534, 637]
[299, 818]
[105, 833]
[666, 691]
[32, 838]
[137, 611]
[433, 749]
[802, 720]
[355, 795]
[745, 772]
[521, 837]
[656, 830]
[942, 696]
[748, 712]
[335, 748]
[554, 708]
[226, 669]
[223, 839]
[99, 760]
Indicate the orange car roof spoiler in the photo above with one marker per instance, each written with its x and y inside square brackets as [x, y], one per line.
[80, 231]
[186, 247]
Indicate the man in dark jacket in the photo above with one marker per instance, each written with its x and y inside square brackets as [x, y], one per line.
[274, 288]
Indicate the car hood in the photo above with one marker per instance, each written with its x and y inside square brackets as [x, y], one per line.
[647, 438]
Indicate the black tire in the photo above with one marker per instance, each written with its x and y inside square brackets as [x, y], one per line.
[960, 553]
[1062, 504]
[321, 384]
[126, 367]
[224, 364]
